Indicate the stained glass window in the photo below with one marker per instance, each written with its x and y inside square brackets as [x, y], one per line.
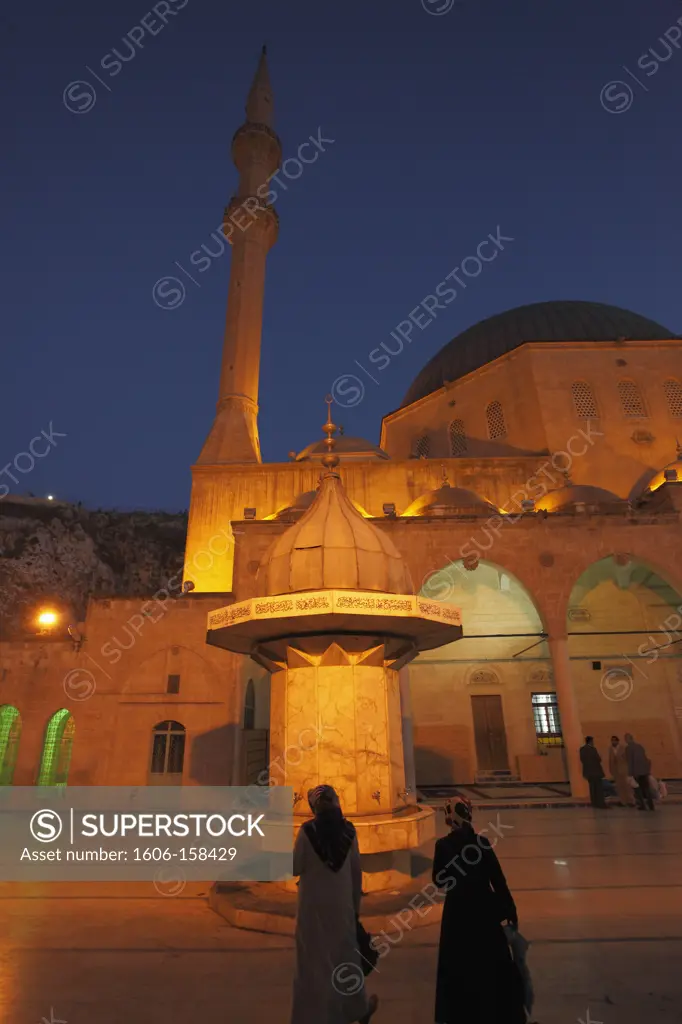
[10, 732]
[56, 757]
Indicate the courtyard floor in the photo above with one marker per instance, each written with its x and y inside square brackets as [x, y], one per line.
[598, 893]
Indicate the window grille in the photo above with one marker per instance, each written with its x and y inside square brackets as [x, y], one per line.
[673, 393]
[583, 400]
[630, 399]
[547, 720]
[497, 428]
[458, 438]
[168, 749]
[423, 447]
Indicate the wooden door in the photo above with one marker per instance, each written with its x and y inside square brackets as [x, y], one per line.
[489, 733]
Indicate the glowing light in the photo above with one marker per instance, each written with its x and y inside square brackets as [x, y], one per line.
[50, 497]
[47, 618]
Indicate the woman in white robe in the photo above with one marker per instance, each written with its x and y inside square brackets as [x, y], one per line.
[329, 986]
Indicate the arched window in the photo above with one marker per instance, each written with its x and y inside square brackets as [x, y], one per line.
[631, 399]
[423, 447]
[583, 400]
[497, 428]
[250, 706]
[10, 731]
[672, 390]
[458, 438]
[56, 758]
[168, 750]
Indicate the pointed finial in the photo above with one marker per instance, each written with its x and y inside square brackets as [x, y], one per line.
[264, 51]
[444, 474]
[678, 448]
[260, 102]
[330, 460]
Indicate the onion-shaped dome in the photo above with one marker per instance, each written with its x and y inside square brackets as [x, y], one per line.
[449, 501]
[539, 322]
[332, 547]
[352, 449]
[566, 498]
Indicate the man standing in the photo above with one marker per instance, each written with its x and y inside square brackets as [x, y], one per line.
[639, 766]
[593, 772]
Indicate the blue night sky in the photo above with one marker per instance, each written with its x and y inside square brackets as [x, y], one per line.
[445, 127]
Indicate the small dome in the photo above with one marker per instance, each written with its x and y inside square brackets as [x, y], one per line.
[665, 475]
[565, 497]
[449, 501]
[332, 547]
[293, 512]
[298, 507]
[353, 449]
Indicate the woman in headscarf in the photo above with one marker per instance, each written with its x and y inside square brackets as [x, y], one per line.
[618, 766]
[477, 980]
[329, 986]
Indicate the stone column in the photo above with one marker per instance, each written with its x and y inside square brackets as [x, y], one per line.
[335, 718]
[568, 710]
[408, 732]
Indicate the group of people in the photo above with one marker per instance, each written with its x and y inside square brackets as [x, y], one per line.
[479, 926]
[629, 767]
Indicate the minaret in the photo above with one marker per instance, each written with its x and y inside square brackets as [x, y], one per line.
[250, 226]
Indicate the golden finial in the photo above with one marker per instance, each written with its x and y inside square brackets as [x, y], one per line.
[678, 447]
[330, 460]
[444, 473]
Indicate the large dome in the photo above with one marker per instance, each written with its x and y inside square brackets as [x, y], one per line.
[541, 321]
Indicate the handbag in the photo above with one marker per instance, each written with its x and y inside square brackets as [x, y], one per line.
[367, 952]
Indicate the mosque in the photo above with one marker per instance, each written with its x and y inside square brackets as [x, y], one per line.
[532, 479]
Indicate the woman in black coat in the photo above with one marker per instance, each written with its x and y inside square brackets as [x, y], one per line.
[477, 980]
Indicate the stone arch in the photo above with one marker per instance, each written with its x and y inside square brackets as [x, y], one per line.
[460, 576]
[56, 756]
[10, 734]
[624, 630]
[483, 678]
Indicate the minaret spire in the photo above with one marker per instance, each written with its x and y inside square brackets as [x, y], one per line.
[250, 226]
[260, 102]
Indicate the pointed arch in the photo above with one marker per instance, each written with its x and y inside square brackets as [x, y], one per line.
[10, 734]
[56, 756]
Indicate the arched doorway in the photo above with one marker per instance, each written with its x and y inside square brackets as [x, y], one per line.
[56, 756]
[10, 734]
[624, 628]
[484, 707]
[168, 754]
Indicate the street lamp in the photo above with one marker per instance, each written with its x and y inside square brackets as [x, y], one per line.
[47, 618]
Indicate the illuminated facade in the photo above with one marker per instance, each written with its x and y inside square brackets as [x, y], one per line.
[532, 477]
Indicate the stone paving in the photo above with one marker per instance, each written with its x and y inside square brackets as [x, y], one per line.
[599, 893]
